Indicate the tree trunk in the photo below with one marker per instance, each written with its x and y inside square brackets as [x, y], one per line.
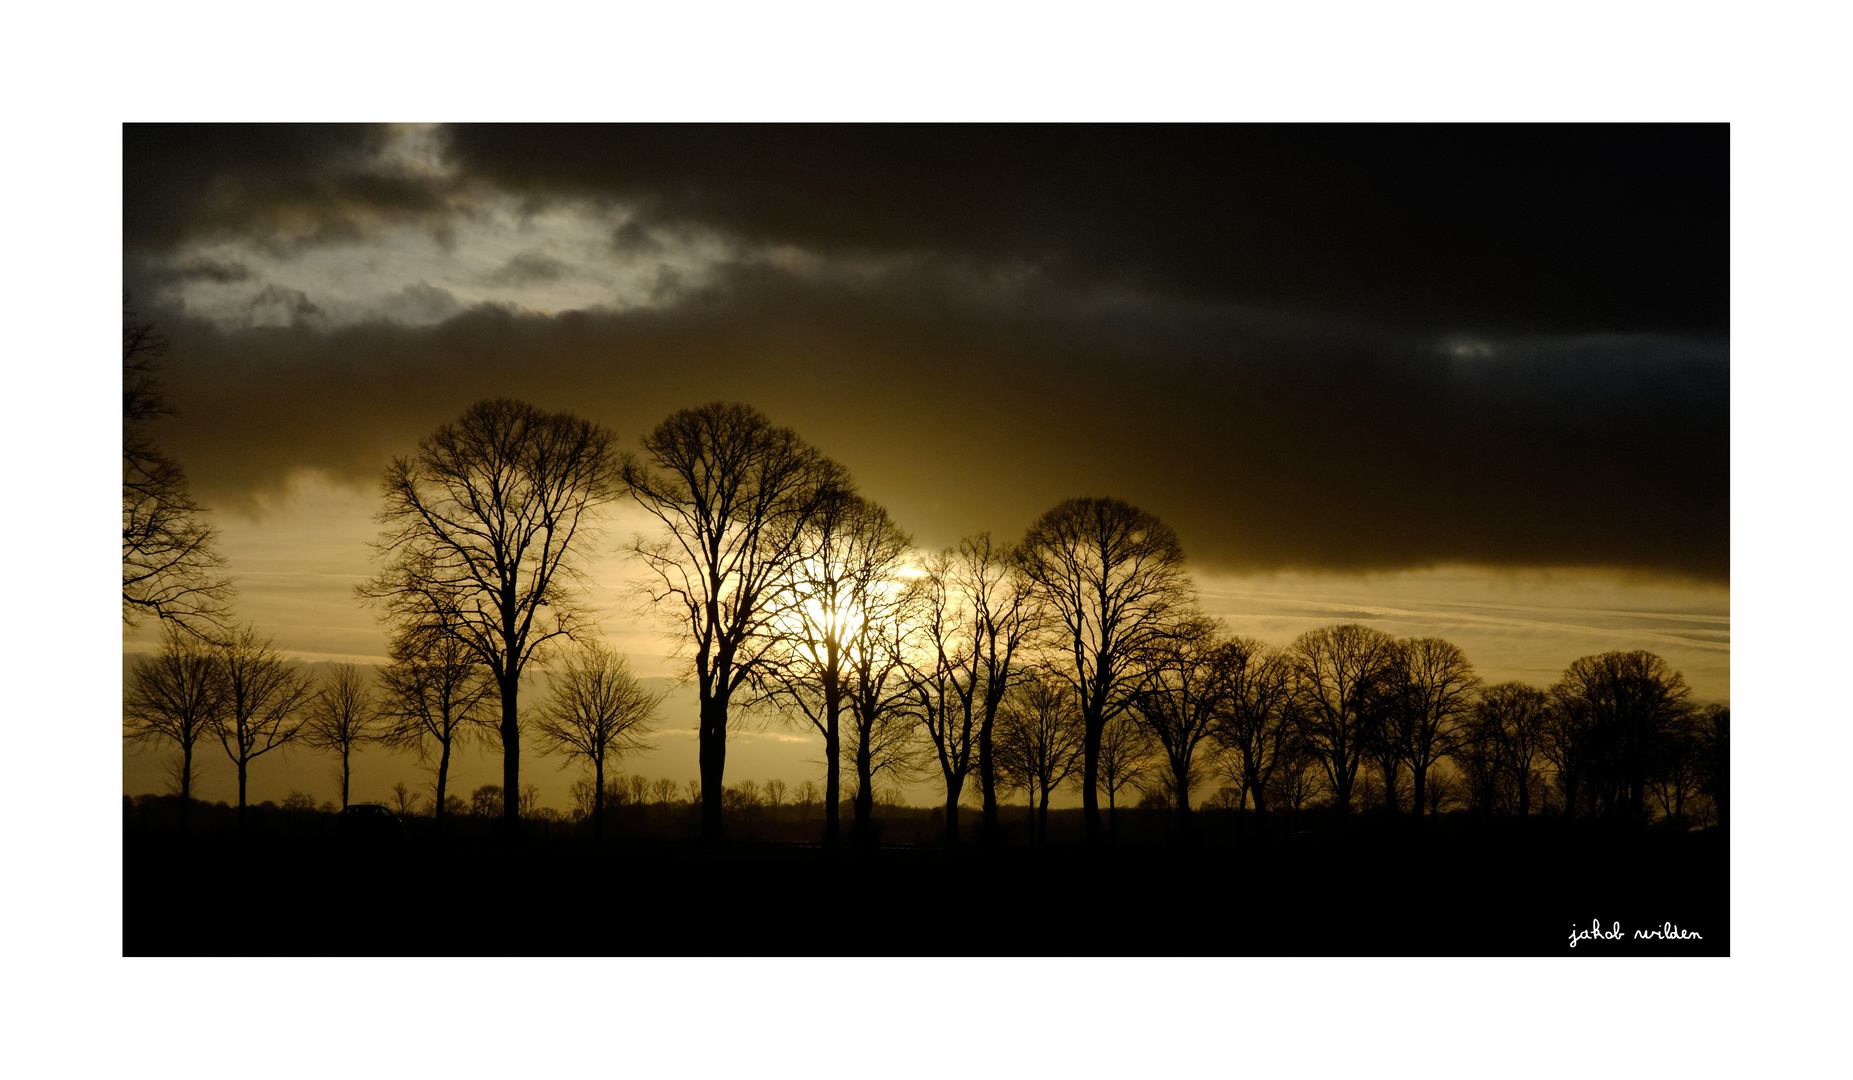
[186, 783]
[987, 781]
[1113, 825]
[713, 761]
[346, 772]
[598, 799]
[865, 787]
[1042, 819]
[443, 774]
[242, 763]
[833, 788]
[1090, 771]
[954, 786]
[511, 756]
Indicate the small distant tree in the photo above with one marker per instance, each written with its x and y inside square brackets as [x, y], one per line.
[775, 793]
[264, 700]
[1258, 721]
[663, 791]
[1431, 693]
[1714, 735]
[404, 800]
[1186, 675]
[530, 799]
[807, 797]
[693, 787]
[486, 801]
[342, 716]
[598, 712]
[175, 696]
[1341, 677]
[299, 802]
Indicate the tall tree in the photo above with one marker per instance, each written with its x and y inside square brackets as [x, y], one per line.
[1340, 678]
[436, 696]
[341, 717]
[1258, 721]
[1616, 709]
[483, 529]
[171, 564]
[1431, 688]
[1112, 580]
[175, 695]
[1714, 734]
[734, 494]
[975, 618]
[844, 585]
[597, 712]
[264, 700]
[1505, 731]
[1182, 699]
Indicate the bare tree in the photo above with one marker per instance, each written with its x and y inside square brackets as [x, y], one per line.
[483, 528]
[844, 586]
[806, 797]
[1182, 699]
[1341, 673]
[1714, 734]
[735, 495]
[1511, 719]
[1112, 578]
[436, 697]
[171, 564]
[264, 700]
[175, 695]
[1040, 740]
[775, 793]
[974, 618]
[597, 712]
[1611, 714]
[1431, 688]
[1258, 722]
[1126, 757]
[404, 800]
[341, 717]
[663, 791]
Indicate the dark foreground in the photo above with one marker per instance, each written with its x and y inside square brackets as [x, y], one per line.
[1479, 895]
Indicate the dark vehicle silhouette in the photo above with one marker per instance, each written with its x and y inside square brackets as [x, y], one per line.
[369, 820]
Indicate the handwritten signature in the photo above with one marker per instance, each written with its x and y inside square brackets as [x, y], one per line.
[1664, 932]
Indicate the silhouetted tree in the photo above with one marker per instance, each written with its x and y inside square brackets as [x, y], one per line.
[404, 800]
[1507, 727]
[264, 700]
[1431, 691]
[171, 564]
[844, 586]
[1126, 758]
[1183, 697]
[1714, 736]
[663, 791]
[975, 617]
[487, 801]
[1111, 578]
[1258, 720]
[806, 797]
[436, 695]
[1612, 713]
[882, 740]
[775, 793]
[484, 525]
[1041, 738]
[1339, 687]
[597, 712]
[341, 717]
[175, 695]
[735, 495]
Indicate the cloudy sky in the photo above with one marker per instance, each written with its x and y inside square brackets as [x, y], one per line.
[1464, 381]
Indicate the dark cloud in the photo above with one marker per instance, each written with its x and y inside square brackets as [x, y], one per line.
[282, 185]
[966, 403]
[1510, 229]
[420, 303]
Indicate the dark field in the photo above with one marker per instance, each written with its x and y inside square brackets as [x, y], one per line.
[1459, 889]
